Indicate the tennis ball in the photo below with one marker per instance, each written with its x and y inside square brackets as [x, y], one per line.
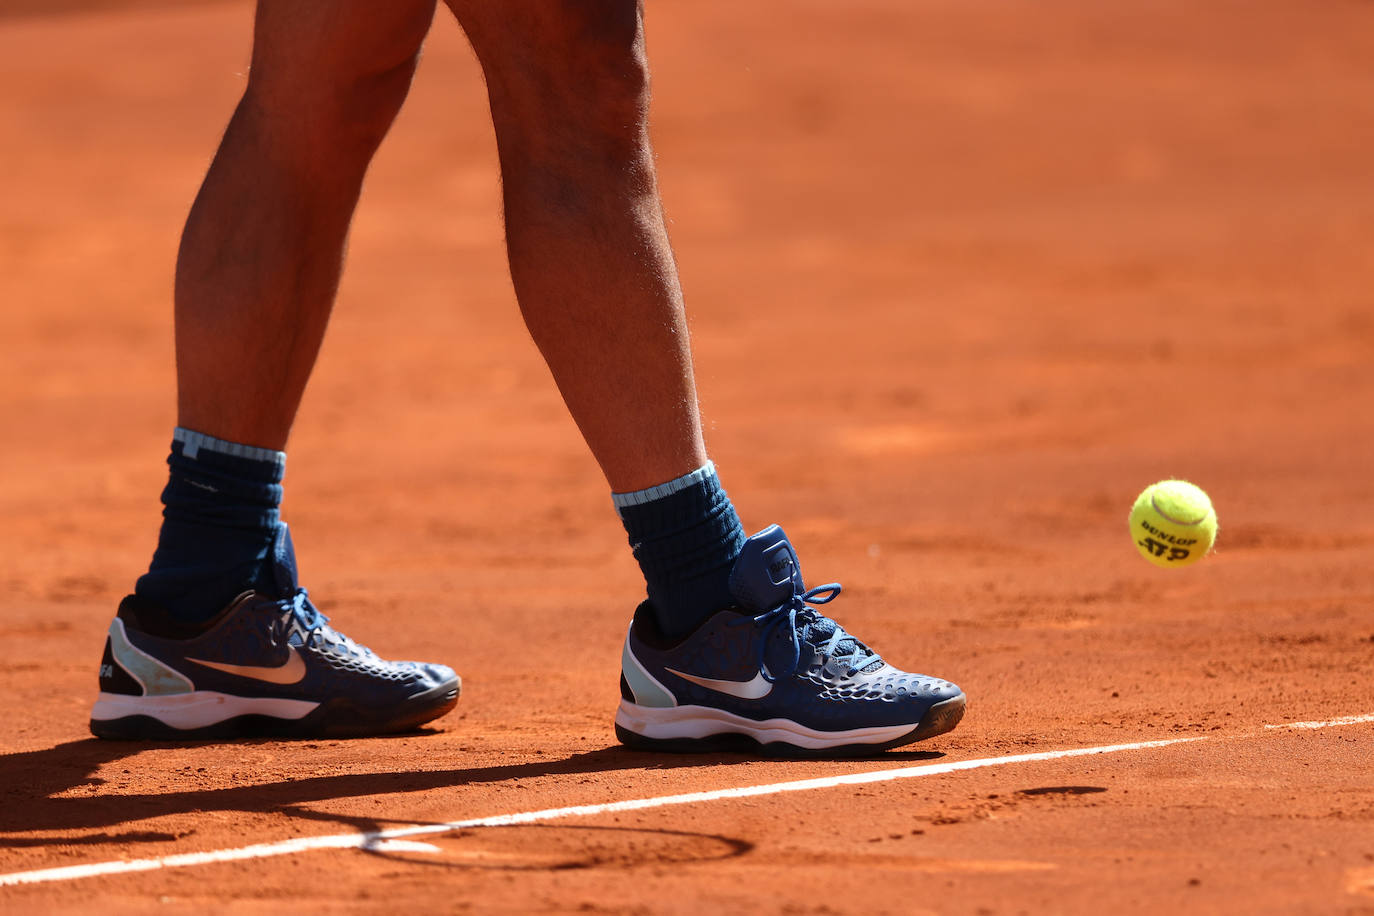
[1173, 523]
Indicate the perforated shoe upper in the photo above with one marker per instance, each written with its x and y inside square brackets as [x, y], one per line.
[778, 655]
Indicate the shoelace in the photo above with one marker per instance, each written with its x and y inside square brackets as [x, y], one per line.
[316, 626]
[796, 613]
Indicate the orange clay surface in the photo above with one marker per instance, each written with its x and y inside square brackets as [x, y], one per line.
[964, 278]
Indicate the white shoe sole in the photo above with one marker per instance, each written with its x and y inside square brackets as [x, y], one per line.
[695, 723]
[198, 709]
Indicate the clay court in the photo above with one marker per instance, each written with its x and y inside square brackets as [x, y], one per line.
[963, 279]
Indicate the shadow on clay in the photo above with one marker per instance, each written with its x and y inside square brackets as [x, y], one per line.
[44, 790]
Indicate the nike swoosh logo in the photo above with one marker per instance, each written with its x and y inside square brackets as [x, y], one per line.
[756, 688]
[289, 672]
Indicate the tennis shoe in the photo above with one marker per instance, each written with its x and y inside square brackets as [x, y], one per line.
[265, 666]
[772, 674]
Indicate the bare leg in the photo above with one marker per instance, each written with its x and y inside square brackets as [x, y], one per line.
[589, 254]
[259, 263]
[263, 246]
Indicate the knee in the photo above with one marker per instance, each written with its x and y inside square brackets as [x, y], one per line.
[367, 103]
[344, 81]
[569, 67]
[340, 114]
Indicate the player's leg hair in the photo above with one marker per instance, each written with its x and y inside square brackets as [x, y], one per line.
[568, 82]
[262, 251]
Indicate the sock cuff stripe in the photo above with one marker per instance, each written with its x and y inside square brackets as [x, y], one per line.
[192, 442]
[677, 485]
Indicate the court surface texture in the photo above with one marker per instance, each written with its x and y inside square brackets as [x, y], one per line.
[963, 278]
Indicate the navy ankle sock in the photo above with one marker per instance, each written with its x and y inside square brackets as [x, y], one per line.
[219, 520]
[686, 536]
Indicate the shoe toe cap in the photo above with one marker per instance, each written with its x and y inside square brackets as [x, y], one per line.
[895, 686]
[436, 673]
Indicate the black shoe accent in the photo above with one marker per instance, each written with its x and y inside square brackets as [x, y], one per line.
[113, 677]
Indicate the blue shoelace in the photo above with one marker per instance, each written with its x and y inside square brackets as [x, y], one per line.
[316, 626]
[796, 613]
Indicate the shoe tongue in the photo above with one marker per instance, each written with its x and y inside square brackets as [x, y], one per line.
[284, 572]
[766, 573]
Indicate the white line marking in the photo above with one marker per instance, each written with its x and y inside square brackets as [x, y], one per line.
[379, 840]
[1329, 723]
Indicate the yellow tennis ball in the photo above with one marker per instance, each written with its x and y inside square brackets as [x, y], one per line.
[1173, 523]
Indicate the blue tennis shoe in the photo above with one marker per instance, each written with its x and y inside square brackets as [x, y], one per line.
[772, 674]
[266, 666]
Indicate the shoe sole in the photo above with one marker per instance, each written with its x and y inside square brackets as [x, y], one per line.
[201, 715]
[700, 729]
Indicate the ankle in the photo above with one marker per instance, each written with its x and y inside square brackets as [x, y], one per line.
[220, 519]
[686, 535]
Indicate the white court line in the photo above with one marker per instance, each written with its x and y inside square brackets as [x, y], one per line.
[380, 839]
[1343, 720]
